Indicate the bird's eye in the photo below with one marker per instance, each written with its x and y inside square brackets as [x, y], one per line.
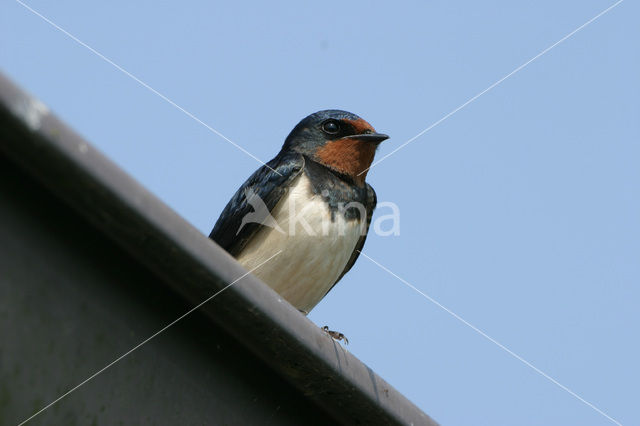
[331, 127]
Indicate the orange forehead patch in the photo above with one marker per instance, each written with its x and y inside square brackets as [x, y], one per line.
[348, 156]
[360, 126]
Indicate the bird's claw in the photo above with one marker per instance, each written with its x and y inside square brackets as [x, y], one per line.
[336, 335]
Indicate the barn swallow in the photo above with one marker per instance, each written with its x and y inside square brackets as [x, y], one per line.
[311, 202]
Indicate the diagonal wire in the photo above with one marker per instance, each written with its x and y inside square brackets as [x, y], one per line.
[492, 340]
[142, 83]
[374, 164]
[492, 86]
[145, 341]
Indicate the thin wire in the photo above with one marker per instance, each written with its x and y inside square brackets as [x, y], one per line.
[494, 341]
[142, 343]
[492, 86]
[142, 83]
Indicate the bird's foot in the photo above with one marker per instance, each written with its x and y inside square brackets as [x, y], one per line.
[336, 335]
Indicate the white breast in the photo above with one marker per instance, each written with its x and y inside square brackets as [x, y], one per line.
[315, 250]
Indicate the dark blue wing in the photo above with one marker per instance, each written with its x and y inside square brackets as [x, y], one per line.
[264, 183]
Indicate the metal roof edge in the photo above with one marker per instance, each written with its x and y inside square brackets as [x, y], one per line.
[195, 266]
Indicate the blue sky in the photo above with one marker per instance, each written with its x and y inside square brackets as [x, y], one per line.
[520, 213]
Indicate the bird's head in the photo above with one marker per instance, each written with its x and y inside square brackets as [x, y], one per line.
[337, 139]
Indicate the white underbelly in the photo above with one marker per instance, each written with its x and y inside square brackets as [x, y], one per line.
[315, 250]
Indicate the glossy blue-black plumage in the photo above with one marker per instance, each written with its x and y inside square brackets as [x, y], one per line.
[270, 183]
[307, 136]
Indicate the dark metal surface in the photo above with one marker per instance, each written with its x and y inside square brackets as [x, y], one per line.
[169, 255]
[72, 301]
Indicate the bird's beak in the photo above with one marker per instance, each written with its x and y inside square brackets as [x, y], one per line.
[369, 137]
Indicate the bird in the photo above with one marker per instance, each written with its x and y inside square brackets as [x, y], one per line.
[310, 202]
